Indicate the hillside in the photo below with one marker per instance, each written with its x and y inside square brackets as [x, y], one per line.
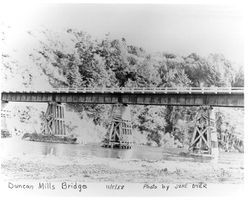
[44, 59]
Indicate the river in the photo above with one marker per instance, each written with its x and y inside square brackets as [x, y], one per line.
[12, 147]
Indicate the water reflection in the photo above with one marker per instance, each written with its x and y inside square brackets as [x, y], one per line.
[116, 153]
[49, 150]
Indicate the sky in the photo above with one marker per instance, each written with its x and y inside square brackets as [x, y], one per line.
[179, 29]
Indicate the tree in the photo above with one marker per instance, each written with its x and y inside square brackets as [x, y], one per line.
[239, 78]
[200, 71]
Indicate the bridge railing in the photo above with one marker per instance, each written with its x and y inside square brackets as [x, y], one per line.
[175, 90]
[154, 90]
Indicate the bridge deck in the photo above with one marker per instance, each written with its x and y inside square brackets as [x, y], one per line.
[221, 97]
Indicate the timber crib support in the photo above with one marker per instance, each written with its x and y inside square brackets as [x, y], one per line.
[53, 122]
[119, 133]
[205, 139]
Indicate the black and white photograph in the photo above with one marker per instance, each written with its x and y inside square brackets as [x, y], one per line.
[139, 98]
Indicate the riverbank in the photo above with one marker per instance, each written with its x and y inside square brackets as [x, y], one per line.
[95, 169]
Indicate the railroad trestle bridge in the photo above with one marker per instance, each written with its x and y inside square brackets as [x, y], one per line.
[119, 134]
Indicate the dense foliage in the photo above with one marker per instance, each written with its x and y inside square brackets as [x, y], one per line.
[87, 62]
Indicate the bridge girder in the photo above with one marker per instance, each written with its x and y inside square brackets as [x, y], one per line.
[215, 100]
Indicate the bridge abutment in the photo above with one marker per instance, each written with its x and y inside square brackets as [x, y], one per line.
[205, 140]
[119, 133]
[54, 123]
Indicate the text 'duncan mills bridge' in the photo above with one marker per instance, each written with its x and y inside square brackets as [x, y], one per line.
[120, 132]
